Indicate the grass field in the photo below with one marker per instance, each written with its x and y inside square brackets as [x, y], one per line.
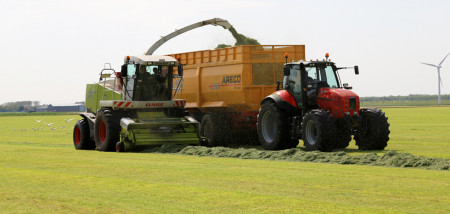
[42, 172]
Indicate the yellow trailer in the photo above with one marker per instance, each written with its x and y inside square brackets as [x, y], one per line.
[223, 88]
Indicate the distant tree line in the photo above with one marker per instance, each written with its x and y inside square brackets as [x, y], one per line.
[412, 99]
[19, 106]
[33, 106]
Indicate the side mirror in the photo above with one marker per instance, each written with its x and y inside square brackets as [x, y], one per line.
[124, 70]
[287, 71]
[180, 70]
[278, 85]
[356, 70]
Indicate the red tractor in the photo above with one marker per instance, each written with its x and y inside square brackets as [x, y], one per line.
[312, 105]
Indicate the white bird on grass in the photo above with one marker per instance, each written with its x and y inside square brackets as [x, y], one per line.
[68, 120]
[49, 124]
[38, 121]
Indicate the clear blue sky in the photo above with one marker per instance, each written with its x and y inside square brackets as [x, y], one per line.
[50, 49]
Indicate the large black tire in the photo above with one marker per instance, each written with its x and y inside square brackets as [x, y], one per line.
[215, 129]
[273, 127]
[107, 130]
[81, 136]
[343, 134]
[373, 130]
[319, 131]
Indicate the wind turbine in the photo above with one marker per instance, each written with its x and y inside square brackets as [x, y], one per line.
[439, 76]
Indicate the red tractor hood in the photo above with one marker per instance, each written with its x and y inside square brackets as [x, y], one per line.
[338, 101]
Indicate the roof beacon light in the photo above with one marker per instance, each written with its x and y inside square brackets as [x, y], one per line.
[179, 58]
[286, 56]
[327, 55]
[128, 57]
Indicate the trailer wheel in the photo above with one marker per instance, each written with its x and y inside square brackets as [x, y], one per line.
[343, 134]
[373, 130]
[318, 131]
[107, 130]
[213, 129]
[272, 127]
[81, 137]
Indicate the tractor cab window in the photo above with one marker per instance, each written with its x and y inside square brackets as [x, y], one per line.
[294, 80]
[312, 74]
[327, 75]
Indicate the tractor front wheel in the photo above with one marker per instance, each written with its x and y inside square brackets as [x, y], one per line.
[107, 131]
[272, 126]
[81, 136]
[319, 131]
[373, 130]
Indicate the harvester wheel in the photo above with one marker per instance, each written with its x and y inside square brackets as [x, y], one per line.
[343, 135]
[373, 130]
[213, 129]
[81, 137]
[107, 130]
[273, 127]
[318, 131]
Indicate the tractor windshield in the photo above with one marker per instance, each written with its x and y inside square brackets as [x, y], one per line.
[317, 73]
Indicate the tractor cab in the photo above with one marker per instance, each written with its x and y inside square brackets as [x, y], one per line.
[319, 86]
[148, 78]
[319, 74]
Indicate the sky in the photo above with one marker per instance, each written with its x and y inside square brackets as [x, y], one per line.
[50, 49]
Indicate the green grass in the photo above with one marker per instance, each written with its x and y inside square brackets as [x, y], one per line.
[40, 171]
[39, 178]
[421, 131]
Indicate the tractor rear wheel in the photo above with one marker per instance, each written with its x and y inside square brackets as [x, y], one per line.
[319, 131]
[272, 125]
[107, 131]
[81, 136]
[373, 130]
[214, 129]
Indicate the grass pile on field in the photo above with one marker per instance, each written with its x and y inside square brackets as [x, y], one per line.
[389, 159]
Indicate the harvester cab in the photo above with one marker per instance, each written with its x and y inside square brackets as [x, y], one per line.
[134, 108]
[314, 106]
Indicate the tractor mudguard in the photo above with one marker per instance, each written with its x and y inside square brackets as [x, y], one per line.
[283, 100]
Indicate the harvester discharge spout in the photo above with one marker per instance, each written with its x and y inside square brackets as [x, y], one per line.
[216, 22]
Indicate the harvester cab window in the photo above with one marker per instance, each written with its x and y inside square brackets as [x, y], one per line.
[153, 83]
[129, 89]
[131, 70]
